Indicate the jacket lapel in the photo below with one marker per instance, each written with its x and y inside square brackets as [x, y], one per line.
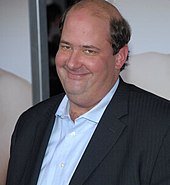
[43, 132]
[106, 135]
[39, 153]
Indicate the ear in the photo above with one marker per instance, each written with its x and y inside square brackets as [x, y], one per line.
[121, 57]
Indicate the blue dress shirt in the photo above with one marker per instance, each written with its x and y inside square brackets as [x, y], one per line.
[69, 140]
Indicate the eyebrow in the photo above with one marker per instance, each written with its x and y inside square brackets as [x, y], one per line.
[83, 46]
[91, 47]
[65, 42]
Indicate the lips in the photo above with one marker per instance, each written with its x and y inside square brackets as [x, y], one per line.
[76, 74]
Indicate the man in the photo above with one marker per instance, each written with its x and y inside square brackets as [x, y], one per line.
[103, 131]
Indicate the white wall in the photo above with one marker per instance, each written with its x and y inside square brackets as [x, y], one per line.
[15, 38]
[149, 20]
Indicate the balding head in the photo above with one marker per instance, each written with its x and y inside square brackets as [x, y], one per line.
[100, 8]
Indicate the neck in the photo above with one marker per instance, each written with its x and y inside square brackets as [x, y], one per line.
[76, 110]
[74, 115]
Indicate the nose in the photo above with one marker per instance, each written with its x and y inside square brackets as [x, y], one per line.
[74, 60]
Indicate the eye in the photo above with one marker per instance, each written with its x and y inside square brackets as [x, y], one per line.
[65, 47]
[90, 52]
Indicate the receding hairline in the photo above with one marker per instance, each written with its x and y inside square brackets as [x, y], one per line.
[100, 8]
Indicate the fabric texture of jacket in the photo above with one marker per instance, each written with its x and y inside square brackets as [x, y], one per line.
[130, 146]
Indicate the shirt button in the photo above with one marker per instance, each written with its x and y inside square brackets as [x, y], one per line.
[72, 134]
[62, 116]
[62, 165]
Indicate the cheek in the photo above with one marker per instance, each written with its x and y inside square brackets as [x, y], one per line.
[105, 65]
[59, 59]
[100, 66]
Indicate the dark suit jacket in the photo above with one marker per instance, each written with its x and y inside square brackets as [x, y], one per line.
[131, 145]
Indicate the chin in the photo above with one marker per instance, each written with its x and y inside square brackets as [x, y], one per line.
[73, 88]
[74, 91]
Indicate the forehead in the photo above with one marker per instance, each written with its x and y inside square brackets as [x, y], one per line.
[82, 28]
[87, 17]
[85, 21]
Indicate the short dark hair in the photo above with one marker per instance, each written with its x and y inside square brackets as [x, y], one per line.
[120, 32]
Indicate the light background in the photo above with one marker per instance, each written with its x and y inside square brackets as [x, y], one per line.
[149, 20]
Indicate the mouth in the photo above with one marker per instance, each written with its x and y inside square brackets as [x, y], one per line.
[76, 74]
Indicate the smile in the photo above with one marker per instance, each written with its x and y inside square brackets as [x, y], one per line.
[76, 75]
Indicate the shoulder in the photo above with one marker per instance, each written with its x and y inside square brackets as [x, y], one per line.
[148, 112]
[147, 115]
[39, 113]
[136, 92]
[50, 104]
[141, 96]
[145, 104]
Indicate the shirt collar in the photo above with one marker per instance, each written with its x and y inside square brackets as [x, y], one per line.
[95, 113]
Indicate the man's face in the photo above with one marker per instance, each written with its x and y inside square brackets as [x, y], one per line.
[85, 62]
